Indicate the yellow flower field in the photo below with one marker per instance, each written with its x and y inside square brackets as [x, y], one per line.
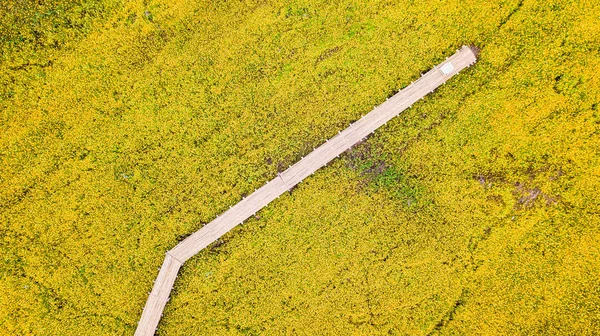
[126, 126]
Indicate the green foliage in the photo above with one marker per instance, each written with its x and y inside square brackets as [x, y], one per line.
[474, 212]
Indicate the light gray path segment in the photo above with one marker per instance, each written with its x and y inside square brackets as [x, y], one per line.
[322, 155]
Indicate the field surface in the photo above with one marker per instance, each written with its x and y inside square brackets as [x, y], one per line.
[126, 127]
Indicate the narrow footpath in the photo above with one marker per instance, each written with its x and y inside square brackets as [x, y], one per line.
[322, 155]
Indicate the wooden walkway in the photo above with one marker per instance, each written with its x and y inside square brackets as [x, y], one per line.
[331, 149]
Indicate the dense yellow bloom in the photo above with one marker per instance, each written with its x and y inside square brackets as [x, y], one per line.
[127, 126]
